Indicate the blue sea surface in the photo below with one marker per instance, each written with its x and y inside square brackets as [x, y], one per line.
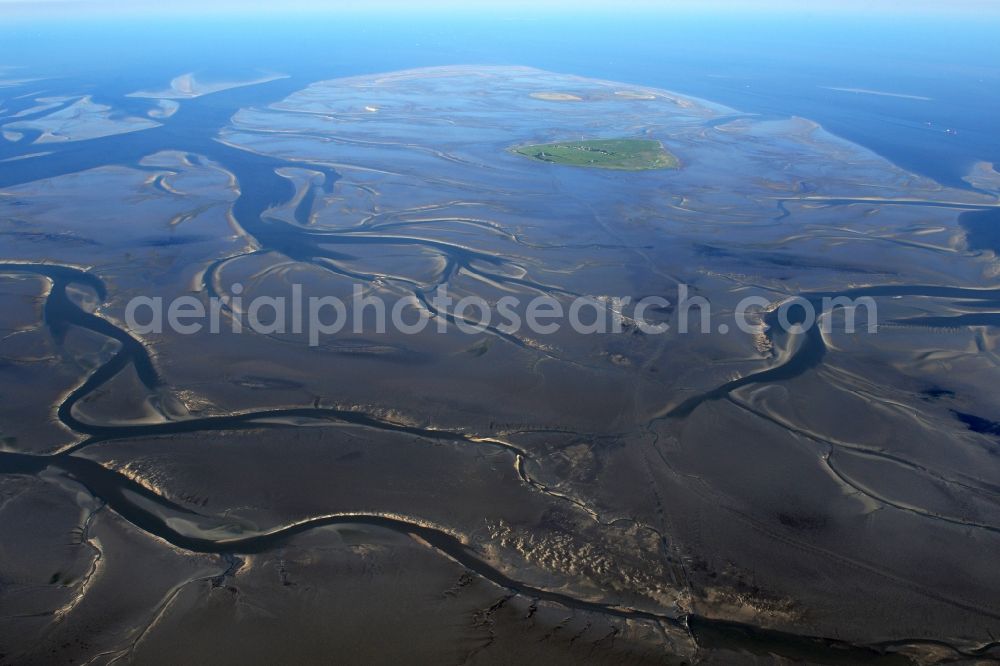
[932, 85]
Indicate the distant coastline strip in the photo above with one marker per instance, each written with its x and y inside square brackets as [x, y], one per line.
[880, 93]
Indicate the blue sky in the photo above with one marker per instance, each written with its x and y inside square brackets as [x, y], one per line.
[61, 8]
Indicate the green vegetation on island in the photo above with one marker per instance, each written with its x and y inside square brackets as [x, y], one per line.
[622, 154]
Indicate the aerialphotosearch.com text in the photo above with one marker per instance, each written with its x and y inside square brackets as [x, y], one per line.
[371, 313]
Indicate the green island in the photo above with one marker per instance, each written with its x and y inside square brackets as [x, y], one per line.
[622, 154]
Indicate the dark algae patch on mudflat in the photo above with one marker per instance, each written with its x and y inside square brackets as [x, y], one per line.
[621, 154]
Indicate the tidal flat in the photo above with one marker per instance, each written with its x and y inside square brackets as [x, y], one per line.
[710, 497]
